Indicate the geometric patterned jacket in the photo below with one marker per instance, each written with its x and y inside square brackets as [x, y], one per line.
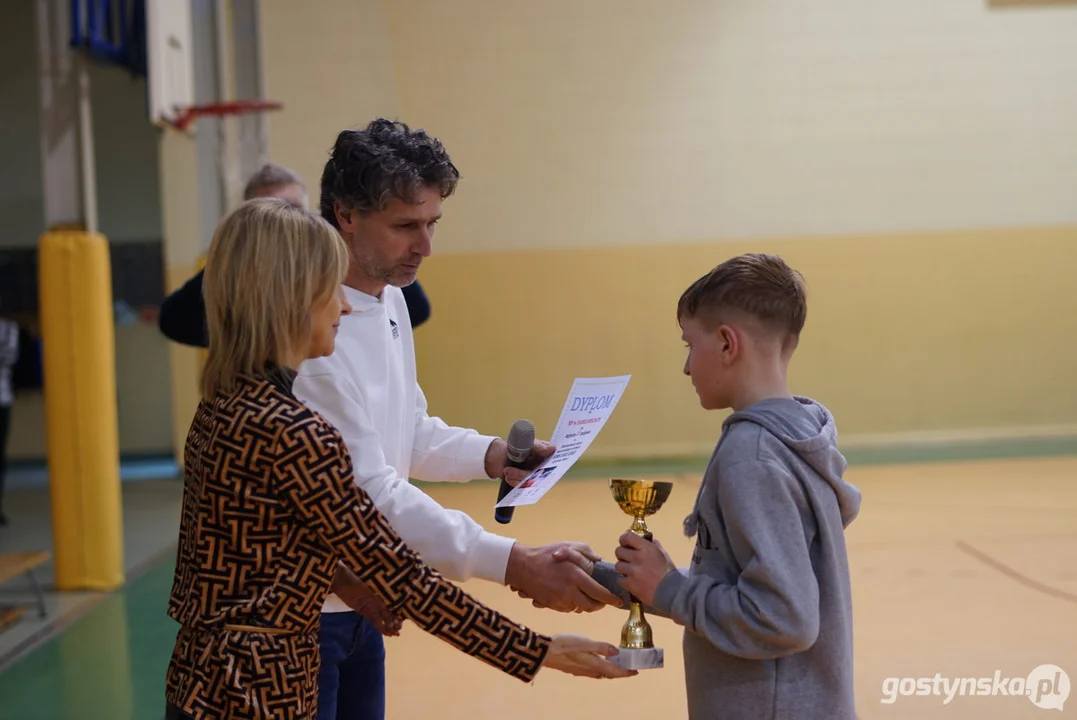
[269, 508]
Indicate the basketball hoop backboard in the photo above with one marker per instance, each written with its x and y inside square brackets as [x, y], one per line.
[170, 61]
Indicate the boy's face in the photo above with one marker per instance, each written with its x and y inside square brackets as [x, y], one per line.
[711, 352]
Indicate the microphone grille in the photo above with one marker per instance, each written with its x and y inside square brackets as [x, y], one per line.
[521, 438]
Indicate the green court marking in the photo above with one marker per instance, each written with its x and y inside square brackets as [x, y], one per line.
[952, 452]
[108, 665]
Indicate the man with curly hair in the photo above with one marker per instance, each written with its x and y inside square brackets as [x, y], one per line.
[383, 188]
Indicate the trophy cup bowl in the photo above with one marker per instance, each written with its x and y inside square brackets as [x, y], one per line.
[638, 499]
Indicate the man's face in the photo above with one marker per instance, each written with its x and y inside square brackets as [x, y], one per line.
[389, 245]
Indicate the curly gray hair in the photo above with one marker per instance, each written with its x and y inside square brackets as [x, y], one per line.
[385, 160]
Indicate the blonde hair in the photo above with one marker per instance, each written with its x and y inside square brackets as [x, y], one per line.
[269, 266]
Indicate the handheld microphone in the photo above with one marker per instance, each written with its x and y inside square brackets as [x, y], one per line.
[521, 438]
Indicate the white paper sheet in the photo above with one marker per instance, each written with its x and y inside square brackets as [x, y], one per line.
[589, 405]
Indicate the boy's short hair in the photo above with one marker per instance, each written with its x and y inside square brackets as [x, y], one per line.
[761, 286]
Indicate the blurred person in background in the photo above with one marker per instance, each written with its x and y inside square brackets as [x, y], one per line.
[9, 355]
[183, 313]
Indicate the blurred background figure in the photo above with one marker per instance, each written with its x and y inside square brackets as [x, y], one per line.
[9, 356]
[183, 313]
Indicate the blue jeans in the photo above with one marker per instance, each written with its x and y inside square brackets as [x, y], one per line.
[351, 682]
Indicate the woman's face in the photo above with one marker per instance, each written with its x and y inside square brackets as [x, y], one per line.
[325, 320]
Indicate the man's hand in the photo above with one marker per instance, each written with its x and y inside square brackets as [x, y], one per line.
[579, 553]
[497, 458]
[643, 564]
[359, 598]
[563, 586]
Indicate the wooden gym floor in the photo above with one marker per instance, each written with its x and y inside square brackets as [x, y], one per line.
[958, 568]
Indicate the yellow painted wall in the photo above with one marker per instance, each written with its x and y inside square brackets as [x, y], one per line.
[915, 159]
[908, 338]
[329, 63]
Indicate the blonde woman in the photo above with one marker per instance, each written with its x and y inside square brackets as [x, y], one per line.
[271, 516]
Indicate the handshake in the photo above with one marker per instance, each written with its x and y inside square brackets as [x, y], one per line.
[567, 582]
[571, 577]
[566, 575]
[561, 577]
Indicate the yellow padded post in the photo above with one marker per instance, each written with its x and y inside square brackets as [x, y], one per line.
[78, 341]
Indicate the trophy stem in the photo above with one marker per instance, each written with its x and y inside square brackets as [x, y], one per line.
[639, 526]
[636, 632]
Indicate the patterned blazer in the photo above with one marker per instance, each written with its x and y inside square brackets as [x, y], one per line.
[269, 508]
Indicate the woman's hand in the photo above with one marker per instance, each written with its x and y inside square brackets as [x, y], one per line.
[359, 598]
[378, 613]
[577, 655]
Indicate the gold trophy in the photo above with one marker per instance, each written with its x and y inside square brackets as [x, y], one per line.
[639, 498]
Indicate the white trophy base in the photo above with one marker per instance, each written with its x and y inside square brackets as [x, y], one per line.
[638, 659]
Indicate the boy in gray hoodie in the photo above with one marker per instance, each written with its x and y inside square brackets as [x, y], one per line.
[766, 603]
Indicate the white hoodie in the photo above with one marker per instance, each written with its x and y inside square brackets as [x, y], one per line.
[368, 390]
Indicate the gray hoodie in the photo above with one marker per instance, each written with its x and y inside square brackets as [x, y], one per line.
[766, 603]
